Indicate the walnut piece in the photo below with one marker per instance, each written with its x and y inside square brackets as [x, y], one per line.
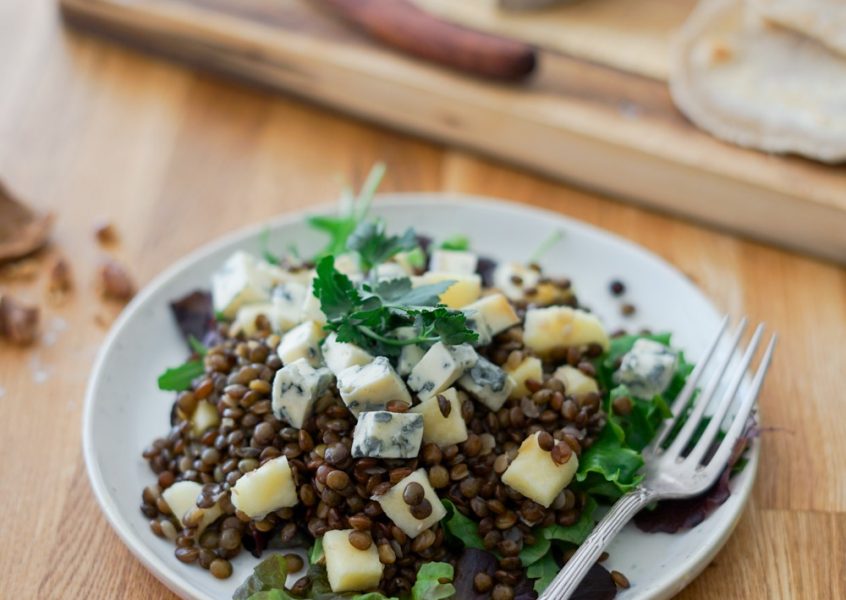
[18, 323]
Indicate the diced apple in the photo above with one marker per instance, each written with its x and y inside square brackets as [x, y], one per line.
[575, 382]
[348, 568]
[530, 368]
[398, 511]
[536, 475]
[546, 329]
[204, 417]
[438, 429]
[181, 498]
[263, 490]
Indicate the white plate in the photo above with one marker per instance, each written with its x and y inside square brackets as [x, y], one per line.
[124, 410]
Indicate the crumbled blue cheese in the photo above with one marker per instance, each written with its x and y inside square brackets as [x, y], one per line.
[647, 369]
[239, 282]
[411, 354]
[303, 341]
[296, 387]
[514, 278]
[341, 355]
[439, 368]
[383, 434]
[486, 382]
[453, 261]
[371, 386]
[476, 322]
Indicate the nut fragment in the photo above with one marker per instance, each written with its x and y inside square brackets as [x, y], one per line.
[22, 231]
[61, 281]
[19, 323]
[115, 282]
[106, 233]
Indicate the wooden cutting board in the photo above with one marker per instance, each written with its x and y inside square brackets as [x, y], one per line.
[597, 112]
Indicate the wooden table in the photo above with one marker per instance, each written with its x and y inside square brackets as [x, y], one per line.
[174, 158]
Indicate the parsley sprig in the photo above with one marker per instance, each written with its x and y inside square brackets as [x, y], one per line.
[367, 314]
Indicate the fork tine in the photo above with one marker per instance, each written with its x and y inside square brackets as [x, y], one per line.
[680, 403]
[683, 438]
[713, 428]
[735, 430]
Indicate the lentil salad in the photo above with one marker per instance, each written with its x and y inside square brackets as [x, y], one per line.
[264, 469]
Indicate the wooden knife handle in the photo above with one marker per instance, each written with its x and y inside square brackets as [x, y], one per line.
[402, 25]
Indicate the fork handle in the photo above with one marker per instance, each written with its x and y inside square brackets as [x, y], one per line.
[566, 582]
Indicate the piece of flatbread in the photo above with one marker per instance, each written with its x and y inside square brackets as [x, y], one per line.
[823, 20]
[759, 85]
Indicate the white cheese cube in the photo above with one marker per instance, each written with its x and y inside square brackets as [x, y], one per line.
[439, 368]
[476, 322]
[546, 329]
[399, 512]
[390, 270]
[489, 384]
[310, 310]
[647, 369]
[348, 568]
[383, 434]
[496, 311]
[371, 386]
[409, 355]
[534, 474]
[245, 319]
[513, 278]
[296, 387]
[530, 368]
[453, 261]
[238, 282]
[437, 428]
[303, 341]
[263, 490]
[181, 498]
[465, 290]
[575, 382]
[204, 417]
[342, 355]
[288, 299]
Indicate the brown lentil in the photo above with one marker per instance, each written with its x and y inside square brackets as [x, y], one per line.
[221, 568]
[620, 580]
[422, 510]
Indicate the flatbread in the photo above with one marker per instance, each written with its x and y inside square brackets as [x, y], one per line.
[759, 85]
[823, 20]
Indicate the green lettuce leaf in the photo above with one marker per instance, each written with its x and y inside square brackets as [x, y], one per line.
[270, 574]
[461, 528]
[434, 582]
[609, 468]
[543, 572]
[572, 534]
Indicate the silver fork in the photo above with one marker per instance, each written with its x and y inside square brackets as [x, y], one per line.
[668, 473]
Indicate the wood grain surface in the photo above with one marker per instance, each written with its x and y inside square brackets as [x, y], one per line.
[175, 157]
[602, 127]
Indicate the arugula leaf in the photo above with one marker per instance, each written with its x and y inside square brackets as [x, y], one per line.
[178, 379]
[197, 346]
[268, 575]
[354, 211]
[543, 572]
[315, 555]
[456, 242]
[374, 246]
[461, 528]
[428, 585]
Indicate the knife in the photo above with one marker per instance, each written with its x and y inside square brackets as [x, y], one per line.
[400, 24]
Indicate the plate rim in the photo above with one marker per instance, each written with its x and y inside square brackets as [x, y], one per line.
[671, 585]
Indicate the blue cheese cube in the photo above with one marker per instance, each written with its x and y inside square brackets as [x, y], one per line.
[287, 301]
[398, 511]
[296, 387]
[310, 309]
[411, 354]
[303, 341]
[439, 368]
[342, 355]
[453, 261]
[495, 311]
[647, 369]
[383, 434]
[476, 322]
[489, 384]
[442, 421]
[239, 282]
[370, 387]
